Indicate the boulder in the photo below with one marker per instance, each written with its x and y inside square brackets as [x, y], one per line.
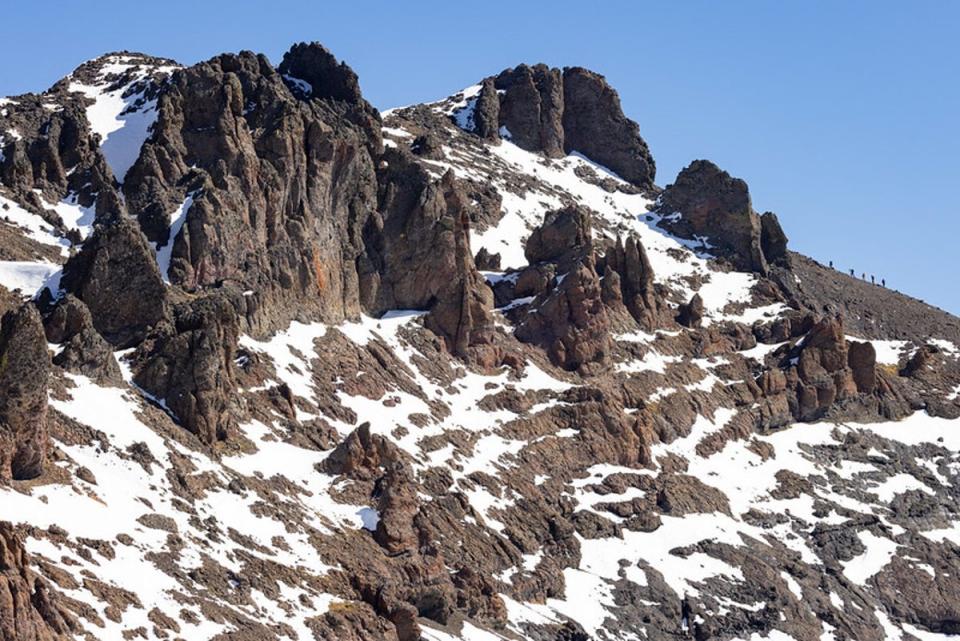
[362, 455]
[486, 261]
[773, 240]
[862, 360]
[564, 236]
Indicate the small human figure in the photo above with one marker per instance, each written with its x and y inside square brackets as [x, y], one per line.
[883, 282]
[851, 271]
[831, 264]
[863, 275]
[873, 279]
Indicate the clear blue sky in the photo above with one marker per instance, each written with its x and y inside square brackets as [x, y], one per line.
[844, 117]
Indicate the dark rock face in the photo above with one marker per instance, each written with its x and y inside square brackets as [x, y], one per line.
[83, 350]
[532, 108]
[286, 182]
[362, 454]
[398, 506]
[327, 78]
[568, 317]
[862, 360]
[188, 364]
[773, 240]
[115, 274]
[487, 261]
[29, 609]
[713, 204]
[594, 125]
[827, 376]
[56, 153]
[486, 112]
[631, 277]
[24, 367]
[559, 112]
[822, 368]
[418, 255]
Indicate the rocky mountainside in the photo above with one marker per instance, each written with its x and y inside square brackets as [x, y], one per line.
[275, 365]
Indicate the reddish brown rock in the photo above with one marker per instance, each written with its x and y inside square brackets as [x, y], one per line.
[862, 359]
[570, 322]
[362, 455]
[594, 125]
[565, 235]
[531, 108]
[82, 349]
[630, 271]
[560, 112]
[773, 240]
[398, 506]
[713, 205]
[29, 609]
[281, 183]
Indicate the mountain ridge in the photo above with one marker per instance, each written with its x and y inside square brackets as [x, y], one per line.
[276, 365]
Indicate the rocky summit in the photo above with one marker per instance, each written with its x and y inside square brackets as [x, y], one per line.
[277, 366]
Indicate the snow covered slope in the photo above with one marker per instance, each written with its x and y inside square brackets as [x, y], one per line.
[717, 478]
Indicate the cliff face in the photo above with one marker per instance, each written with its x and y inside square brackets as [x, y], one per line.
[275, 365]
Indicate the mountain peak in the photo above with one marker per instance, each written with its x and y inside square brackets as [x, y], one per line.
[459, 373]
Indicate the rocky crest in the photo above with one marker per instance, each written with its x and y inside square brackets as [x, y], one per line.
[560, 112]
[440, 373]
[709, 206]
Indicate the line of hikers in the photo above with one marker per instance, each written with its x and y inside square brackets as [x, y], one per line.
[863, 276]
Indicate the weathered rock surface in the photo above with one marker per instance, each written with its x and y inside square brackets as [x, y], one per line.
[82, 349]
[627, 266]
[594, 125]
[716, 208]
[567, 317]
[417, 256]
[286, 182]
[691, 312]
[773, 240]
[24, 367]
[598, 460]
[115, 274]
[570, 321]
[29, 607]
[188, 365]
[559, 112]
